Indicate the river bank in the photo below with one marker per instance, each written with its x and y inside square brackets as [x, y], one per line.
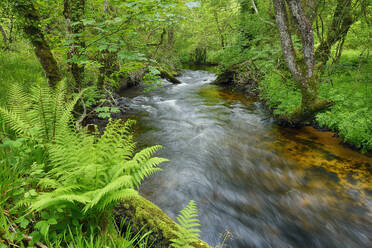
[349, 117]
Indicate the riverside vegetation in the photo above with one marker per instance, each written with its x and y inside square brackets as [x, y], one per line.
[66, 183]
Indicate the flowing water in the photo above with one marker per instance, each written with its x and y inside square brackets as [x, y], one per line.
[256, 184]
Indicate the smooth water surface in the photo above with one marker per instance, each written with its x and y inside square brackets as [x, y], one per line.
[256, 184]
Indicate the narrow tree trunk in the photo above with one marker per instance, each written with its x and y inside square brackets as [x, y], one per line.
[5, 39]
[359, 66]
[11, 39]
[254, 6]
[220, 31]
[109, 65]
[339, 50]
[74, 13]
[108, 60]
[31, 26]
[171, 39]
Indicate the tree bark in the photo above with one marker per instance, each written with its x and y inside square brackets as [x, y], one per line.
[302, 70]
[74, 13]
[31, 27]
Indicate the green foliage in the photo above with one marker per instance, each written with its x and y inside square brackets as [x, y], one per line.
[17, 158]
[188, 219]
[90, 175]
[19, 67]
[40, 113]
[105, 112]
[350, 116]
[82, 176]
[282, 96]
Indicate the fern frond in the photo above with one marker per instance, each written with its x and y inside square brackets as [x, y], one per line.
[40, 112]
[98, 171]
[15, 122]
[116, 197]
[46, 201]
[188, 220]
[119, 183]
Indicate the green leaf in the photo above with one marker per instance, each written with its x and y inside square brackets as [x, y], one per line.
[52, 221]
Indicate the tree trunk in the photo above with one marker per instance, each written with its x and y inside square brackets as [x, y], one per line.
[108, 60]
[341, 23]
[171, 39]
[219, 28]
[302, 70]
[31, 26]
[5, 39]
[74, 13]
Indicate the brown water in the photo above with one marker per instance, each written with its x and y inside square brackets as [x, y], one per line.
[259, 184]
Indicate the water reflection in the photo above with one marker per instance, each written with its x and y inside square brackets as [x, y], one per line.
[268, 186]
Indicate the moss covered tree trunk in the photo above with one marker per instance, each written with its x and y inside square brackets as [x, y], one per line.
[109, 65]
[341, 23]
[219, 29]
[31, 25]
[3, 34]
[109, 60]
[171, 37]
[74, 14]
[302, 69]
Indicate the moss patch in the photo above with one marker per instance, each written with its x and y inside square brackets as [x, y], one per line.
[145, 215]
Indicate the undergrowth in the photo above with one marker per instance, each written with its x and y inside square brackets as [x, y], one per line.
[57, 179]
[351, 114]
[21, 67]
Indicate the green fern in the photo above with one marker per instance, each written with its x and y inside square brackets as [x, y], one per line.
[92, 174]
[86, 173]
[39, 113]
[188, 219]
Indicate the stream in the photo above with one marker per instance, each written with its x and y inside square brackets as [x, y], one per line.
[256, 184]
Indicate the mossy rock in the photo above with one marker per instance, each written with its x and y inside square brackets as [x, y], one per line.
[227, 76]
[145, 216]
[243, 77]
[170, 76]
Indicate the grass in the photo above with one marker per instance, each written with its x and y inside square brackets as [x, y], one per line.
[350, 116]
